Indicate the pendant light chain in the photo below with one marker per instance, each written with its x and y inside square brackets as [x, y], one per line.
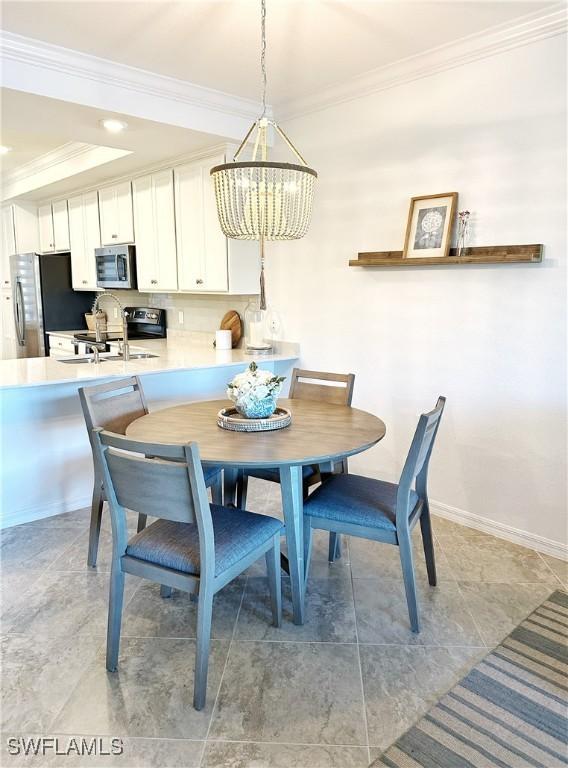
[263, 55]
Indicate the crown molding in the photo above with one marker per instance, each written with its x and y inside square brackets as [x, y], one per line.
[481, 45]
[160, 165]
[61, 154]
[50, 70]
[60, 163]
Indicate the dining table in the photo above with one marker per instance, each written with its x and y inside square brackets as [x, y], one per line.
[320, 433]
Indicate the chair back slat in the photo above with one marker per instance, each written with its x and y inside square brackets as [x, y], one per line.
[416, 464]
[113, 405]
[151, 486]
[171, 488]
[306, 385]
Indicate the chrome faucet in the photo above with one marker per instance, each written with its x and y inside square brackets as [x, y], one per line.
[96, 352]
[125, 351]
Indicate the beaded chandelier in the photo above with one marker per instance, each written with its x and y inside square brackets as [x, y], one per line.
[260, 199]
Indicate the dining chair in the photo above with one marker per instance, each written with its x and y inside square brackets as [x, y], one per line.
[193, 545]
[308, 385]
[380, 511]
[113, 406]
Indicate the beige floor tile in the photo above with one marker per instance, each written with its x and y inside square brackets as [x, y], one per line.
[99, 752]
[402, 682]
[307, 693]
[330, 614]
[382, 614]
[151, 694]
[150, 615]
[498, 608]
[559, 567]
[38, 675]
[63, 604]
[224, 754]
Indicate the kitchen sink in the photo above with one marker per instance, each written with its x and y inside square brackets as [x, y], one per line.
[80, 360]
[89, 359]
[133, 356]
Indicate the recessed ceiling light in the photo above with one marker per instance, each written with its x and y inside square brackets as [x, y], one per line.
[113, 126]
[4, 150]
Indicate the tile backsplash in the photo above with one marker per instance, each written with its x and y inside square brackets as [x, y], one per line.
[200, 313]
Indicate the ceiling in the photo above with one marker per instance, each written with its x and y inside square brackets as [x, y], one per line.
[34, 125]
[25, 145]
[311, 43]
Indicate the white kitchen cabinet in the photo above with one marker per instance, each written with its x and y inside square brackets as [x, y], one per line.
[207, 261]
[8, 339]
[115, 205]
[19, 235]
[84, 236]
[53, 224]
[45, 223]
[8, 244]
[60, 225]
[154, 223]
[60, 346]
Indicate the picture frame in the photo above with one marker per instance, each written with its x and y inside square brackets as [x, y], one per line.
[429, 227]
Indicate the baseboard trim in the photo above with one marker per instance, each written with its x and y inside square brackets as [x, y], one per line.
[31, 514]
[456, 515]
[501, 530]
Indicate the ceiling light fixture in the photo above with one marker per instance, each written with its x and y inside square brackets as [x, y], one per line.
[4, 150]
[261, 199]
[114, 126]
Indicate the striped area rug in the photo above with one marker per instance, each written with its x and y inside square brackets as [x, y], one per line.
[510, 711]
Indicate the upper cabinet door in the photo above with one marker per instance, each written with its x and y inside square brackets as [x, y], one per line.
[60, 225]
[154, 222]
[45, 222]
[202, 247]
[8, 244]
[116, 214]
[85, 236]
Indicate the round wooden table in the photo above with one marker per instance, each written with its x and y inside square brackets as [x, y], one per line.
[320, 433]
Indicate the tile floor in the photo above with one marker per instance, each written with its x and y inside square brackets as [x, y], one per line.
[330, 694]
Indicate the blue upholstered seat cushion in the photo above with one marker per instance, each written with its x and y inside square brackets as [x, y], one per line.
[269, 473]
[176, 545]
[356, 500]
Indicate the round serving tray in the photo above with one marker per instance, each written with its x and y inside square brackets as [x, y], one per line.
[230, 418]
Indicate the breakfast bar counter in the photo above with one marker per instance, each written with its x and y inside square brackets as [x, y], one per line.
[45, 453]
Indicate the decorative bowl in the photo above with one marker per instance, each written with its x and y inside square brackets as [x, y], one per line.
[258, 409]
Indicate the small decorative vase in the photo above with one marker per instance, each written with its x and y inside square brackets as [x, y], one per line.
[463, 232]
[258, 409]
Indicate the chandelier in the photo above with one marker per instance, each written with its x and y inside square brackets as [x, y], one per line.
[260, 199]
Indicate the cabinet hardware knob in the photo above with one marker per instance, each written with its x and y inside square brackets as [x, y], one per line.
[199, 281]
[154, 282]
[84, 282]
[115, 235]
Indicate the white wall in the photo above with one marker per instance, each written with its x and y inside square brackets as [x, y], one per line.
[490, 338]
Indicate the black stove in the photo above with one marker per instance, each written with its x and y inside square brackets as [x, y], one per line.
[143, 323]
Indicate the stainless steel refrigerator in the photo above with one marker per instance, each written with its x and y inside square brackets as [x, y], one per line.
[44, 300]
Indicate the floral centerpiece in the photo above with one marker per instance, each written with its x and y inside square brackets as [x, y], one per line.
[255, 392]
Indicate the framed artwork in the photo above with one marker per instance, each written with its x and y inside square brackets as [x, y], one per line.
[429, 227]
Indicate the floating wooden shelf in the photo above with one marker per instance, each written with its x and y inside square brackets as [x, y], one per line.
[485, 254]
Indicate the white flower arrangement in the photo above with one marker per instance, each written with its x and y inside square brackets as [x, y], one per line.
[255, 391]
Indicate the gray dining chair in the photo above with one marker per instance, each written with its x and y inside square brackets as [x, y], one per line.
[113, 406]
[193, 545]
[325, 387]
[380, 511]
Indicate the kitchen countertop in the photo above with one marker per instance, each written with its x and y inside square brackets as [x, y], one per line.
[180, 351]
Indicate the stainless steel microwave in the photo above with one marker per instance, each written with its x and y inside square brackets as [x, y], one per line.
[116, 266]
